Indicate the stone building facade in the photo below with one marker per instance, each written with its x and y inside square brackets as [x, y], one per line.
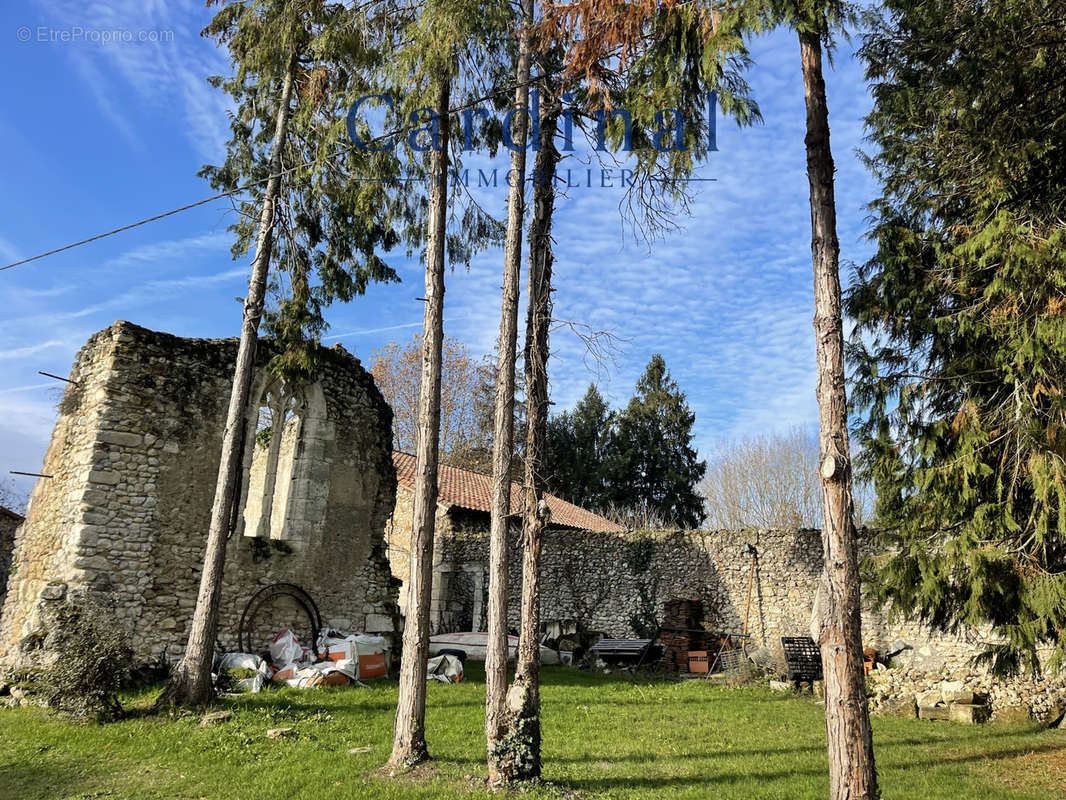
[133, 461]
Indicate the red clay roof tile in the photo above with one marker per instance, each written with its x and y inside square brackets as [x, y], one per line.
[473, 490]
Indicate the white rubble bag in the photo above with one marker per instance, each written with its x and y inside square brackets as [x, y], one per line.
[285, 649]
[326, 673]
[245, 661]
[369, 651]
[444, 668]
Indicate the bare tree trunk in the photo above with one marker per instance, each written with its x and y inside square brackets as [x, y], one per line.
[836, 624]
[190, 682]
[517, 754]
[409, 741]
[503, 433]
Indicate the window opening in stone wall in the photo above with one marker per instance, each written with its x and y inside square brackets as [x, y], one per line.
[270, 472]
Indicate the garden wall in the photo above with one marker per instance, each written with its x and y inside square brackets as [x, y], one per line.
[617, 583]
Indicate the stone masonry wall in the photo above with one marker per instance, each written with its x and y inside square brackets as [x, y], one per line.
[135, 455]
[398, 541]
[617, 583]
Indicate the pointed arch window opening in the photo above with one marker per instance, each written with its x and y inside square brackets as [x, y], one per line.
[270, 472]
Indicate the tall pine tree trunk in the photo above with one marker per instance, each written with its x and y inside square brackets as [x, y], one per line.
[518, 751]
[503, 433]
[190, 682]
[836, 624]
[409, 741]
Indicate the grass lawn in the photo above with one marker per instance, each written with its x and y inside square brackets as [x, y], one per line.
[604, 736]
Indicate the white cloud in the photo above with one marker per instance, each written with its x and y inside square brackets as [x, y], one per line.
[29, 350]
[167, 76]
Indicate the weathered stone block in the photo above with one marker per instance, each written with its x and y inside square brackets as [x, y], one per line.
[54, 591]
[968, 713]
[378, 623]
[92, 562]
[121, 439]
[1012, 714]
[955, 692]
[899, 707]
[929, 698]
[104, 476]
[934, 712]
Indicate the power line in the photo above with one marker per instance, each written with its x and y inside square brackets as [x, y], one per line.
[245, 187]
[118, 230]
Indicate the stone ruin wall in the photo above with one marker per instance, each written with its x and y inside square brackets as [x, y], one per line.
[134, 458]
[617, 583]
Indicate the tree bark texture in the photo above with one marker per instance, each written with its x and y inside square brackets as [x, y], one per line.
[409, 740]
[190, 682]
[503, 431]
[836, 624]
[517, 753]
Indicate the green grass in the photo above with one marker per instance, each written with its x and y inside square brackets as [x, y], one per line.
[604, 736]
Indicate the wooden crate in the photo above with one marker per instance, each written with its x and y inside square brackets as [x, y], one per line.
[698, 661]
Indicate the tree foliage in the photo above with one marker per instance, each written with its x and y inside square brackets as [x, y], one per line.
[639, 460]
[331, 227]
[92, 660]
[579, 452]
[766, 481]
[467, 399]
[960, 349]
[655, 463]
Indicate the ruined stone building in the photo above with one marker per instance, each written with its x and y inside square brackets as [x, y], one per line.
[133, 462]
[464, 503]
[326, 505]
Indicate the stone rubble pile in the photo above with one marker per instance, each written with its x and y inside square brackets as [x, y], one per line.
[905, 691]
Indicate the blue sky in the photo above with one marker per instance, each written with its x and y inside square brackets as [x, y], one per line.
[99, 134]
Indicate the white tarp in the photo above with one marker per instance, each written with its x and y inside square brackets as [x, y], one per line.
[444, 668]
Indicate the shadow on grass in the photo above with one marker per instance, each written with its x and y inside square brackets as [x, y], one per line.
[39, 779]
[660, 784]
[881, 745]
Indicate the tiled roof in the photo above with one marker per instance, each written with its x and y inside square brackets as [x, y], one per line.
[473, 490]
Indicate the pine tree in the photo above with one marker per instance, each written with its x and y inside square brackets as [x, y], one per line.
[961, 343]
[654, 464]
[717, 30]
[440, 37]
[578, 451]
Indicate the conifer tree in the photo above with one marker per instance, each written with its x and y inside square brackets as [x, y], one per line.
[961, 340]
[496, 650]
[439, 37]
[579, 448]
[622, 28]
[295, 64]
[654, 463]
[517, 753]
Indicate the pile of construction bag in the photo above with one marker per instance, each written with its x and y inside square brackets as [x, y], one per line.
[341, 659]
